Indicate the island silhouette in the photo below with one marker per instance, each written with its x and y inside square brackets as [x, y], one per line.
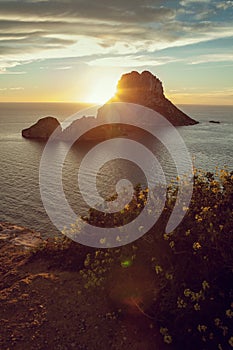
[144, 89]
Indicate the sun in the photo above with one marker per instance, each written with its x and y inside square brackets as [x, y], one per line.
[102, 90]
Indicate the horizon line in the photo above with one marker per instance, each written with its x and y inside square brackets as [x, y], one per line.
[95, 103]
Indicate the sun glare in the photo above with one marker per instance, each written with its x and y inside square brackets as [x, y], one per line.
[102, 90]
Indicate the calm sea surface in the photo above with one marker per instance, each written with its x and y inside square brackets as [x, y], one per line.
[209, 144]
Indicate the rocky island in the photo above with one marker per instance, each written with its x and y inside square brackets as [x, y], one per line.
[147, 90]
[143, 89]
[42, 129]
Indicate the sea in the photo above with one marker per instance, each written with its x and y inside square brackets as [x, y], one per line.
[210, 145]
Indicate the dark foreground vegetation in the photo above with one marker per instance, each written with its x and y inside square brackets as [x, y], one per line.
[162, 291]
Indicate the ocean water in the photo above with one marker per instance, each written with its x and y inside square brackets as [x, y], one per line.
[210, 145]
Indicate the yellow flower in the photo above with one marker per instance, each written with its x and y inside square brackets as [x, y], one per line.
[187, 292]
[167, 339]
[214, 183]
[196, 245]
[97, 253]
[172, 244]
[223, 174]
[169, 276]
[163, 330]
[87, 260]
[229, 313]
[205, 209]
[141, 196]
[197, 307]
[158, 269]
[181, 304]
[185, 208]
[205, 285]
[198, 218]
[230, 341]
[166, 236]
[201, 328]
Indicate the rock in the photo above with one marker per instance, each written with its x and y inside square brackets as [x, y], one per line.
[146, 89]
[214, 121]
[79, 126]
[19, 236]
[28, 240]
[42, 129]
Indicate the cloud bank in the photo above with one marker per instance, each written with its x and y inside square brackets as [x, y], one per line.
[35, 30]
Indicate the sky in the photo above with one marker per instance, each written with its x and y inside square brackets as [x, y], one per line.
[77, 50]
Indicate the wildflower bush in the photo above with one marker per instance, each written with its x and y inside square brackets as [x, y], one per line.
[182, 280]
[196, 305]
[190, 268]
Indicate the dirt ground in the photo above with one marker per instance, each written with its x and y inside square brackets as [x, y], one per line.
[45, 305]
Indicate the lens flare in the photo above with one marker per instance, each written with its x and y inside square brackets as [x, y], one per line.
[126, 263]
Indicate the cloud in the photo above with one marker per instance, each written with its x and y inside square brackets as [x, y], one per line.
[191, 2]
[5, 65]
[21, 46]
[211, 97]
[102, 31]
[204, 14]
[107, 10]
[225, 93]
[212, 58]
[63, 68]
[11, 72]
[17, 88]
[131, 61]
[225, 5]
